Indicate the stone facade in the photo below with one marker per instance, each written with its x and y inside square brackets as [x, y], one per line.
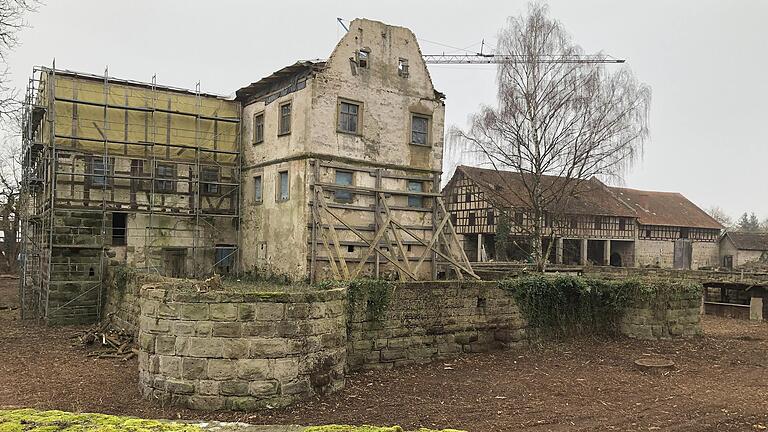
[660, 253]
[223, 350]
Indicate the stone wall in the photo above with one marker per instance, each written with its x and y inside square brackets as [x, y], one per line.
[660, 253]
[678, 318]
[423, 321]
[226, 350]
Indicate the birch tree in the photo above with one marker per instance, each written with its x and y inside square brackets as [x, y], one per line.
[556, 115]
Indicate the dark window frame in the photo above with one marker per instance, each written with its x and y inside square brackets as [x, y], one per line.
[415, 201]
[358, 116]
[425, 133]
[258, 128]
[471, 219]
[102, 178]
[210, 177]
[165, 182]
[344, 196]
[284, 120]
[363, 58]
[120, 233]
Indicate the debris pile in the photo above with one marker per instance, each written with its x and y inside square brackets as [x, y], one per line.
[108, 342]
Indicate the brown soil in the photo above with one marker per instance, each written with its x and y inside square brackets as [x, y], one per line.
[719, 382]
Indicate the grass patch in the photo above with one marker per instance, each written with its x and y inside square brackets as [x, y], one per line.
[30, 420]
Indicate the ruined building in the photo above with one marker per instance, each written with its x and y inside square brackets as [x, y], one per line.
[324, 169]
[602, 225]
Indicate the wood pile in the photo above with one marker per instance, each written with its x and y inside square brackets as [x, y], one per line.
[108, 342]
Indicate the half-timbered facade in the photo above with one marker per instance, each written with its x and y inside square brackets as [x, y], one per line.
[598, 224]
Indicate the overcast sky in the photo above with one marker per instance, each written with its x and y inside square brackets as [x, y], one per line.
[705, 61]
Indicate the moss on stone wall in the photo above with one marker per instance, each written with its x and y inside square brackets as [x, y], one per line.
[30, 420]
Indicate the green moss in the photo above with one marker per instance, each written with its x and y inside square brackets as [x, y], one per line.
[347, 428]
[30, 420]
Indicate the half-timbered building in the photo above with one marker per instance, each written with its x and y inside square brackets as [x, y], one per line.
[595, 224]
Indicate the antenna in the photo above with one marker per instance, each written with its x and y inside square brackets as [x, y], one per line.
[341, 23]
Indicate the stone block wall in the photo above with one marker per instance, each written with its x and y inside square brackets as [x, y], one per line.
[675, 318]
[227, 350]
[423, 321]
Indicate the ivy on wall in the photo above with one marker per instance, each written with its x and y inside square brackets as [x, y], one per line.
[561, 305]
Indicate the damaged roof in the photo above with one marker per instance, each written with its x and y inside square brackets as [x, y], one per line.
[507, 187]
[282, 78]
[748, 240]
[665, 208]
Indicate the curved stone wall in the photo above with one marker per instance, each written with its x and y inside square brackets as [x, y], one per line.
[224, 350]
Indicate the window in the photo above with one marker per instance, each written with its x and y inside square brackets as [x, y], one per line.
[99, 171]
[471, 218]
[402, 67]
[258, 128]
[518, 218]
[468, 197]
[491, 217]
[415, 201]
[598, 223]
[648, 233]
[257, 194]
[164, 177]
[285, 119]
[574, 222]
[454, 219]
[349, 117]
[137, 170]
[683, 233]
[343, 178]
[363, 58]
[210, 181]
[622, 224]
[283, 192]
[419, 130]
[119, 226]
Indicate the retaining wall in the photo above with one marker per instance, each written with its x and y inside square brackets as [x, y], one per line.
[219, 349]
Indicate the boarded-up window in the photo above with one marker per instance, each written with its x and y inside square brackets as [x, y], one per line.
[574, 222]
[349, 117]
[258, 128]
[491, 217]
[471, 218]
[283, 185]
[454, 219]
[683, 233]
[285, 119]
[257, 190]
[419, 129]
[415, 201]
[343, 178]
[622, 224]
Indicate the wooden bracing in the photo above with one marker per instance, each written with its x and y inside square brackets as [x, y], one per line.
[387, 241]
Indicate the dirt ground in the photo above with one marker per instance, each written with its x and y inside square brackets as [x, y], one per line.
[719, 383]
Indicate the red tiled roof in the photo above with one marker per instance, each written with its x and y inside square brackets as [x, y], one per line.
[665, 208]
[749, 240]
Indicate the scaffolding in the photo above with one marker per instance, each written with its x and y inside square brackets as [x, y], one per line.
[119, 170]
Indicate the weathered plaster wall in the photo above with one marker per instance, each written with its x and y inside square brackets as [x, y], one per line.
[740, 257]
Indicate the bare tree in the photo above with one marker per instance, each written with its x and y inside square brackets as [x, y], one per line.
[721, 216]
[12, 13]
[10, 217]
[556, 116]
